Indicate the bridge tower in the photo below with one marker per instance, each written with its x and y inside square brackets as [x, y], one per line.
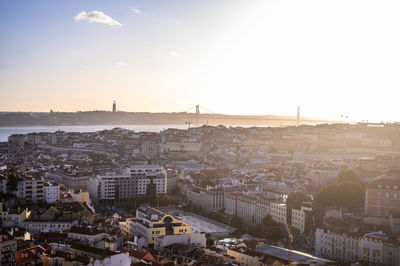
[298, 115]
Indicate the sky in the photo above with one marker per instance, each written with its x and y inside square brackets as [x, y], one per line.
[336, 58]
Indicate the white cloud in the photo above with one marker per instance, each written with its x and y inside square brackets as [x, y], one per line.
[136, 10]
[122, 64]
[174, 53]
[96, 16]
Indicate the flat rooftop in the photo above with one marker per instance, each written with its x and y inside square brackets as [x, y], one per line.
[202, 224]
[295, 256]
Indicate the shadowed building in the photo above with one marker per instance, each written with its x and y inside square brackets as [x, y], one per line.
[382, 195]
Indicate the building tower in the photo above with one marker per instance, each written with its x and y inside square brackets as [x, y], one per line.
[114, 109]
[197, 114]
[298, 115]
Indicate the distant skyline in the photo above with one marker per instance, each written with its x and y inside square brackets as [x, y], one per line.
[256, 57]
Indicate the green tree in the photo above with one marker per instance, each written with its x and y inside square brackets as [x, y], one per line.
[267, 221]
[271, 229]
[351, 194]
[209, 242]
[346, 194]
[12, 181]
[327, 195]
[348, 175]
[236, 222]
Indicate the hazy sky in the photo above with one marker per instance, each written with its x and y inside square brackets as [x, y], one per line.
[236, 57]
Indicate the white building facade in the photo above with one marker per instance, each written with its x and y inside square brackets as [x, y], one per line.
[133, 182]
[51, 193]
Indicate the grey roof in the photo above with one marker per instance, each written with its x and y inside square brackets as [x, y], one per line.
[295, 256]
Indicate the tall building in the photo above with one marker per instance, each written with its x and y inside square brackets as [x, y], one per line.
[136, 181]
[382, 195]
[114, 108]
[30, 189]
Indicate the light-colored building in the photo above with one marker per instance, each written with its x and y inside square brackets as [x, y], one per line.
[17, 217]
[301, 219]
[80, 196]
[51, 193]
[31, 189]
[88, 235]
[45, 226]
[374, 247]
[151, 223]
[246, 207]
[339, 246]
[278, 212]
[321, 177]
[250, 208]
[246, 257]
[210, 200]
[136, 181]
[192, 239]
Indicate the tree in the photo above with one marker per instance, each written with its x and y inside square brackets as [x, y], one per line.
[236, 222]
[348, 175]
[271, 229]
[207, 182]
[351, 194]
[209, 242]
[346, 194]
[267, 221]
[12, 181]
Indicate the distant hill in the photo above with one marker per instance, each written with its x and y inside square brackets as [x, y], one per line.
[130, 118]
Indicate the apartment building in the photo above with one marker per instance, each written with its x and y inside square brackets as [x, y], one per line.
[278, 212]
[151, 223]
[262, 208]
[301, 219]
[382, 195]
[210, 200]
[8, 249]
[345, 246]
[88, 235]
[246, 208]
[250, 208]
[34, 226]
[321, 176]
[31, 189]
[341, 246]
[136, 181]
[51, 193]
